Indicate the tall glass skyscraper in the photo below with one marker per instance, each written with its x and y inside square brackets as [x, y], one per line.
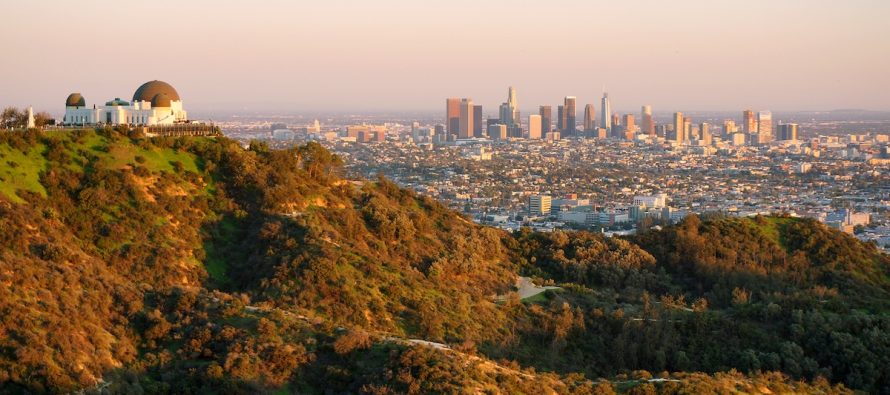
[546, 113]
[606, 110]
[589, 118]
[569, 103]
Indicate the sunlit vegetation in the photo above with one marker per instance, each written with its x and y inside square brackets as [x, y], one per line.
[194, 265]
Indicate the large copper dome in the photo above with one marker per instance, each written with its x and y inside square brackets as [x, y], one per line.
[150, 89]
[75, 100]
[160, 100]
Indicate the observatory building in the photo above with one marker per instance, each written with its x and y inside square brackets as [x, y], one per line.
[154, 103]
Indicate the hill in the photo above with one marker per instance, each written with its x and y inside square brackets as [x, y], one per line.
[195, 265]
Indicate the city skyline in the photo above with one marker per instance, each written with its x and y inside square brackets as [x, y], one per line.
[317, 57]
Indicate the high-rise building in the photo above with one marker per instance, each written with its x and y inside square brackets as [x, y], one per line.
[589, 118]
[687, 128]
[630, 126]
[646, 122]
[749, 125]
[606, 113]
[704, 130]
[514, 106]
[629, 122]
[497, 131]
[764, 126]
[534, 127]
[728, 127]
[509, 111]
[546, 113]
[539, 204]
[466, 119]
[787, 131]
[452, 115]
[679, 121]
[569, 103]
[477, 121]
[560, 117]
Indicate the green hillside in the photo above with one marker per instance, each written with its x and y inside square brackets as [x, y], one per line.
[193, 265]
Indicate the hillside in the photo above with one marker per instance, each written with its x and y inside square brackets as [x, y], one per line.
[169, 265]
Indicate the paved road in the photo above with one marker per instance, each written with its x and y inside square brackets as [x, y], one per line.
[528, 289]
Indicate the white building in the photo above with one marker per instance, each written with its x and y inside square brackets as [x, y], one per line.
[154, 103]
[653, 201]
[539, 204]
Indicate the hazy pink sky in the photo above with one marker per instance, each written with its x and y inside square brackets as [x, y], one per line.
[338, 55]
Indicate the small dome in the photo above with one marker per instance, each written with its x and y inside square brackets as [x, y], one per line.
[160, 100]
[149, 89]
[117, 102]
[75, 100]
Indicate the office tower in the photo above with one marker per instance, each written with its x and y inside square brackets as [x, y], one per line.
[539, 204]
[629, 127]
[647, 124]
[704, 130]
[569, 103]
[678, 127]
[787, 131]
[497, 131]
[728, 127]
[477, 121]
[687, 128]
[452, 115]
[589, 118]
[560, 118]
[629, 122]
[514, 106]
[748, 122]
[764, 126]
[466, 119]
[509, 111]
[504, 116]
[606, 113]
[546, 114]
[534, 127]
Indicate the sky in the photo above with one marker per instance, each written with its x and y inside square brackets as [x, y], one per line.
[409, 55]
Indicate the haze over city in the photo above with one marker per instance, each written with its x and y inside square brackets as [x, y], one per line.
[354, 56]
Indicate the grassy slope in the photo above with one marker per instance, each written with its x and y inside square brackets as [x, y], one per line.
[21, 171]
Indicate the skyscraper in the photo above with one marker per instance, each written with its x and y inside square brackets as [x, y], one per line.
[477, 121]
[606, 113]
[764, 126]
[630, 127]
[452, 115]
[569, 103]
[629, 122]
[728, 127]
[704, 130]
[687, 128]
[466, 119]
[560, 118]
[514, 105]
[534, 127]
[546, 113]
[509, 111]
[589, 118]
[679, 127]
[647, 124]
[787, 131]
[748, 122]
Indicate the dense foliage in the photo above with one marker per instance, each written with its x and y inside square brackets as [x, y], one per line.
[194, 265]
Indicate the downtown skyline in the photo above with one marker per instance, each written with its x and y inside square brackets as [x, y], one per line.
[801, 55]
